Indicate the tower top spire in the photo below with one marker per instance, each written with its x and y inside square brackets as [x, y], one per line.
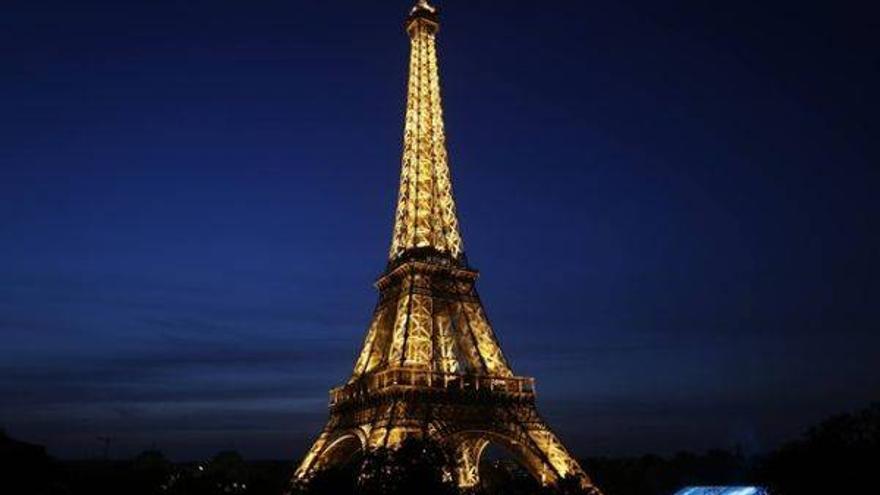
[425, 12]
[425, 225]
[424, 5]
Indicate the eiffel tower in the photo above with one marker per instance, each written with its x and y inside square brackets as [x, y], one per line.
[431, 366]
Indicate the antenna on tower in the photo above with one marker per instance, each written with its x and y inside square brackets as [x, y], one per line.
[424, 5]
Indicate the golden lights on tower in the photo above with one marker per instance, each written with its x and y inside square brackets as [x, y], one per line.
[426, 216]
[430, 365]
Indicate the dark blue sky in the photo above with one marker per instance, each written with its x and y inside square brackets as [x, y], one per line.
[673, 205]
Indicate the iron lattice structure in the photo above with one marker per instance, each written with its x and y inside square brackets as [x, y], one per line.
[431, 366]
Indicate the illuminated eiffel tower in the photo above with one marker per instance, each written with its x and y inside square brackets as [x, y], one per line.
[431, 366]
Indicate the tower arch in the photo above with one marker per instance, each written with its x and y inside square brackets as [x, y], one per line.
[469, 446]
[336, 449]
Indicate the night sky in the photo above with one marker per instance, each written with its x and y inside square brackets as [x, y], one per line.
[673, 206]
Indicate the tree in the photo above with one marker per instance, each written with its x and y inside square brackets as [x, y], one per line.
[337, 480]
[225, 474]
[838, 456]
[416, 467]
[151, 473]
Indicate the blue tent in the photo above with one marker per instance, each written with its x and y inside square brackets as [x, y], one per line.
[722, 490]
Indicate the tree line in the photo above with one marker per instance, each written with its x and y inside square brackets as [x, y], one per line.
[839, 455]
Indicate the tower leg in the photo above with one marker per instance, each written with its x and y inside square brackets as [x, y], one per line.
[522, 433]
[312, 456]
[334, 446]
[467, 457]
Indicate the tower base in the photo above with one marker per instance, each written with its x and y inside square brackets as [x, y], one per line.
[462, 414]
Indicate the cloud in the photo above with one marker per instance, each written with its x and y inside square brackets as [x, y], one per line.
[220, 371]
